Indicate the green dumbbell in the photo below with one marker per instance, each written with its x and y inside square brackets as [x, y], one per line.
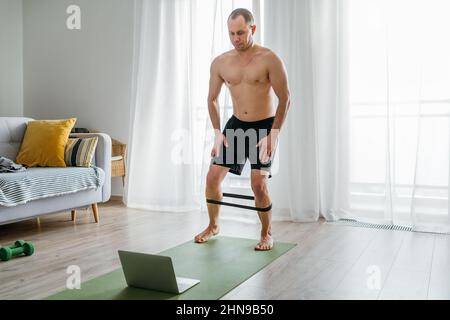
[19, 247]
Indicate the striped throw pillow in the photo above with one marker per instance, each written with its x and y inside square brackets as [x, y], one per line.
[80, 152]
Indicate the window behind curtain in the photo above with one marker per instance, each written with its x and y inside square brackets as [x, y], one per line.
[399, 80]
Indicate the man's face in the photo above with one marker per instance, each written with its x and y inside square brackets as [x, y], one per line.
[240, 33]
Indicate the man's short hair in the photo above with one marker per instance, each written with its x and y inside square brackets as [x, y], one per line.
[246, 14]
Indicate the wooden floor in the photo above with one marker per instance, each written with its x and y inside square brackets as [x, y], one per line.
[330, 261]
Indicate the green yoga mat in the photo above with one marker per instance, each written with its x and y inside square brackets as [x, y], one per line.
[220, 264]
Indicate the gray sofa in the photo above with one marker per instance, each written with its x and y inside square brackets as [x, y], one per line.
[12, 131]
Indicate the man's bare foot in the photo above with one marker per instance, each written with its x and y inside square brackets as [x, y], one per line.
[207, 234]
[265, 244]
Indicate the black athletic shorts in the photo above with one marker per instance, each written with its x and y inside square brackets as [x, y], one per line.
[242, 137]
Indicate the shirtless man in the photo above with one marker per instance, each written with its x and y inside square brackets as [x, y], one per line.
[249, 71]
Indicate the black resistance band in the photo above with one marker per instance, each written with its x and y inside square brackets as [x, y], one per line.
[239, 196]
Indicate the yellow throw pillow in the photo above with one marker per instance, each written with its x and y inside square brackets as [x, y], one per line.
[44, 143]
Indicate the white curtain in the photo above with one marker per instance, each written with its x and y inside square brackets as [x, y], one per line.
[399, 100]
[161, 167]
[367, 136]
[312, 165]
[169, 153]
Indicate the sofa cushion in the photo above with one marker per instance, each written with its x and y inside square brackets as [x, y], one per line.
[45, 142]
[37, 183]
[12, 131]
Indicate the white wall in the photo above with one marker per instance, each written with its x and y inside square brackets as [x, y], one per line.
[11, 84]
[80, 73]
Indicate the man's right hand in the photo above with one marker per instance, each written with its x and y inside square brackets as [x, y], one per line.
[219, 138]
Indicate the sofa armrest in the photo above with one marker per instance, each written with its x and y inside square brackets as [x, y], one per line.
[102, 158]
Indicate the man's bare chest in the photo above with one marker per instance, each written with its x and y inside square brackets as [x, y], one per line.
[253, 74]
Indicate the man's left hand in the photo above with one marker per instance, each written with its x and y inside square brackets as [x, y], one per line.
[267, 146]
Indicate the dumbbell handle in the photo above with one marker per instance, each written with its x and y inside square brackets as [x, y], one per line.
[17, 250]
[17, 244]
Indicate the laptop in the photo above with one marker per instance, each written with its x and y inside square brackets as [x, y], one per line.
[153, 272]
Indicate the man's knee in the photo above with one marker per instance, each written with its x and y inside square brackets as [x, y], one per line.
[259, 187]
[213, 179]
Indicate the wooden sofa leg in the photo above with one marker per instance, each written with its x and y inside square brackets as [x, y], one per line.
[95, 209]
[74, 215]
